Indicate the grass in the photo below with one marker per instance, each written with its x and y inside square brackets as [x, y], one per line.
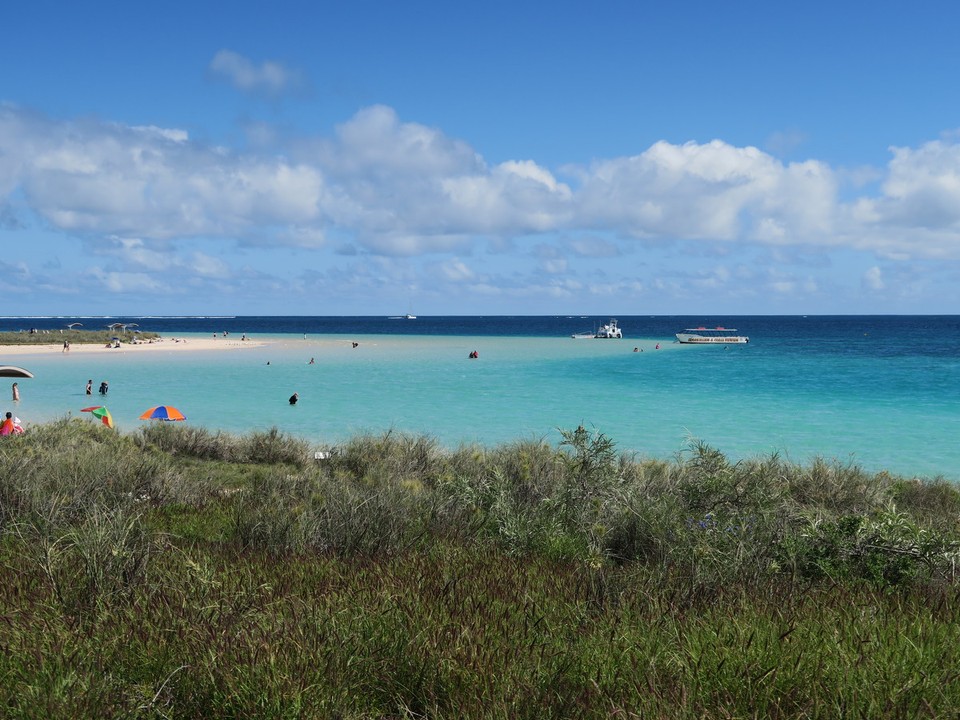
[181, 573]
[76, 337]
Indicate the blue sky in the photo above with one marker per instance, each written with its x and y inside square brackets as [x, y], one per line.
[487, 158]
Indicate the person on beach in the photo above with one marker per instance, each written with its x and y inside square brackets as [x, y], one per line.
[104, 387]
[66, 346]
[16, 393]
[294, 398]
[89, 387]
[6, 428]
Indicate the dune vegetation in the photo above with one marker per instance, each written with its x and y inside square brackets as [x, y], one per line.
[182, 573]
[75, 337]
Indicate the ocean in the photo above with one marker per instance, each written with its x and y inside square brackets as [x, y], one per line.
[881, 392]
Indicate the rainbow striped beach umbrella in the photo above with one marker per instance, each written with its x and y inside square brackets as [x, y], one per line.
[101, 412]
[163, 412]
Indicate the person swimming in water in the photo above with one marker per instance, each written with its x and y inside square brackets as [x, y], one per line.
[294, 398]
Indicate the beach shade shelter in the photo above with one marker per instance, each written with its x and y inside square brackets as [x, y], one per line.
[14, 371]
[101, 412]
[163, 412]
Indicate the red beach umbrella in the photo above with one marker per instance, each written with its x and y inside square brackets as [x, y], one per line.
[163, 412]
[101, 412]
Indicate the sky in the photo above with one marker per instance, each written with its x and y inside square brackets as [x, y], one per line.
[494, 158]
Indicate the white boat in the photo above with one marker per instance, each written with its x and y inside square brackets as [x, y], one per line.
[610, 330]
[711, 336]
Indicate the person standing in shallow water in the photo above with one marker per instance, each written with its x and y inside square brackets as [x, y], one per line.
[16, 393]
[294, 398]
[89, 387]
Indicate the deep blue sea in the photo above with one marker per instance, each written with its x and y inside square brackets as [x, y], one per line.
[882, 392]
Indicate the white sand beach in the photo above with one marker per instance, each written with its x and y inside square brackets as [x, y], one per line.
[161, 345]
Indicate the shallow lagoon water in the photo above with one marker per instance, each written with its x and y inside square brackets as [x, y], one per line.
[889, 410]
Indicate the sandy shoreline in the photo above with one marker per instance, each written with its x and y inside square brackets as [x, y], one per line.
[192, 344]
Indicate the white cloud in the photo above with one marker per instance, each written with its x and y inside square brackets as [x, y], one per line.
[555, 266]
[456, 271]
[133, 251]
[708, 192]
[208, 266]
[145, 198]
[873, 279]
[593, 246]
[126, 282]
[270, 77]
[150, 183]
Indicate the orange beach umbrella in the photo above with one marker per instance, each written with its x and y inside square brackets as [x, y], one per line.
[163, 412]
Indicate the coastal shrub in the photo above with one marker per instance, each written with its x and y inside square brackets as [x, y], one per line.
[100, 559]
[644, 514]
[58, 473]
[591, 470]
[704, 518]
[514, 497]
[293, 512]
[263, 447]
[885, 548]
[529, 471]
[933, 503]
[391, 457]
[357, 519]
[273, 447]
[269, 513]
[192, 441]
[708, 482]
[76, 337]
[838, 488]
[526, 580]
[464, 493]
[74, 496]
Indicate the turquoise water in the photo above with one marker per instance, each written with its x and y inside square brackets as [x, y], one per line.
[891, 410]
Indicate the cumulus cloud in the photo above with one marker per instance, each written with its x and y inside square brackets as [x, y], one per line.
[152, 183]
[873, 279]
[713, 192]
[405, 188]
[918, 211]
[269, 78]
[380, 187]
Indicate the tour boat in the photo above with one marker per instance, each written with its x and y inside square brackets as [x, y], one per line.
[711, 336]
[610, 330]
